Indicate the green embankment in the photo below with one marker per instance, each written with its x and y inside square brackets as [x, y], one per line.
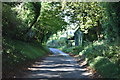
[105, 67]
[104, 58]
[18, 53]
[30, 50]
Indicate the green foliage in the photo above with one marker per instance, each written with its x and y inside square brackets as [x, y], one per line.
[74, 49]
[25, 11]
[11, 24]
[16, 53]
[53, 44]
[93, 50]
[32, 20]
[57, 43]
[86, 15]
[31, 50]
[50, 21]
[67, 49]
[111, 21]
[103, 57]
[101, 48]
[77, 49]
[104, 67]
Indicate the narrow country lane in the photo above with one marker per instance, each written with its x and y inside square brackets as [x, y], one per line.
[58, 65]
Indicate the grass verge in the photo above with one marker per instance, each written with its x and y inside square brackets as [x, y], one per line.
[17, 54]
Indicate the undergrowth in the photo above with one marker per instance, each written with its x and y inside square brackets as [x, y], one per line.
[17, 54]
[103, 57]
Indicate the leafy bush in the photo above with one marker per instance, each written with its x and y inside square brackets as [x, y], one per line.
[77, 49]
[103, 57]
[106, 68]
[67, 49]
[74, 50]
[101, 49]
[93, 50]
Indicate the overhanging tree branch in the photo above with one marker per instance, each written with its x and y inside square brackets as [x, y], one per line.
[37, 10]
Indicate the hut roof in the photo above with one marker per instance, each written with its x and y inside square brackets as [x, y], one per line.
[71, 32]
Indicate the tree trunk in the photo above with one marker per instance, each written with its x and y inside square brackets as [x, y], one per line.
[37, 10]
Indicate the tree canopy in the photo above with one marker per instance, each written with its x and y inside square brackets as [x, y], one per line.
[32, 20]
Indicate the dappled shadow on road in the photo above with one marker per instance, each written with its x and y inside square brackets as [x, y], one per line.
[56, 67]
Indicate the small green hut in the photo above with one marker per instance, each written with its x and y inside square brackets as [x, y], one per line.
[77, 36]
